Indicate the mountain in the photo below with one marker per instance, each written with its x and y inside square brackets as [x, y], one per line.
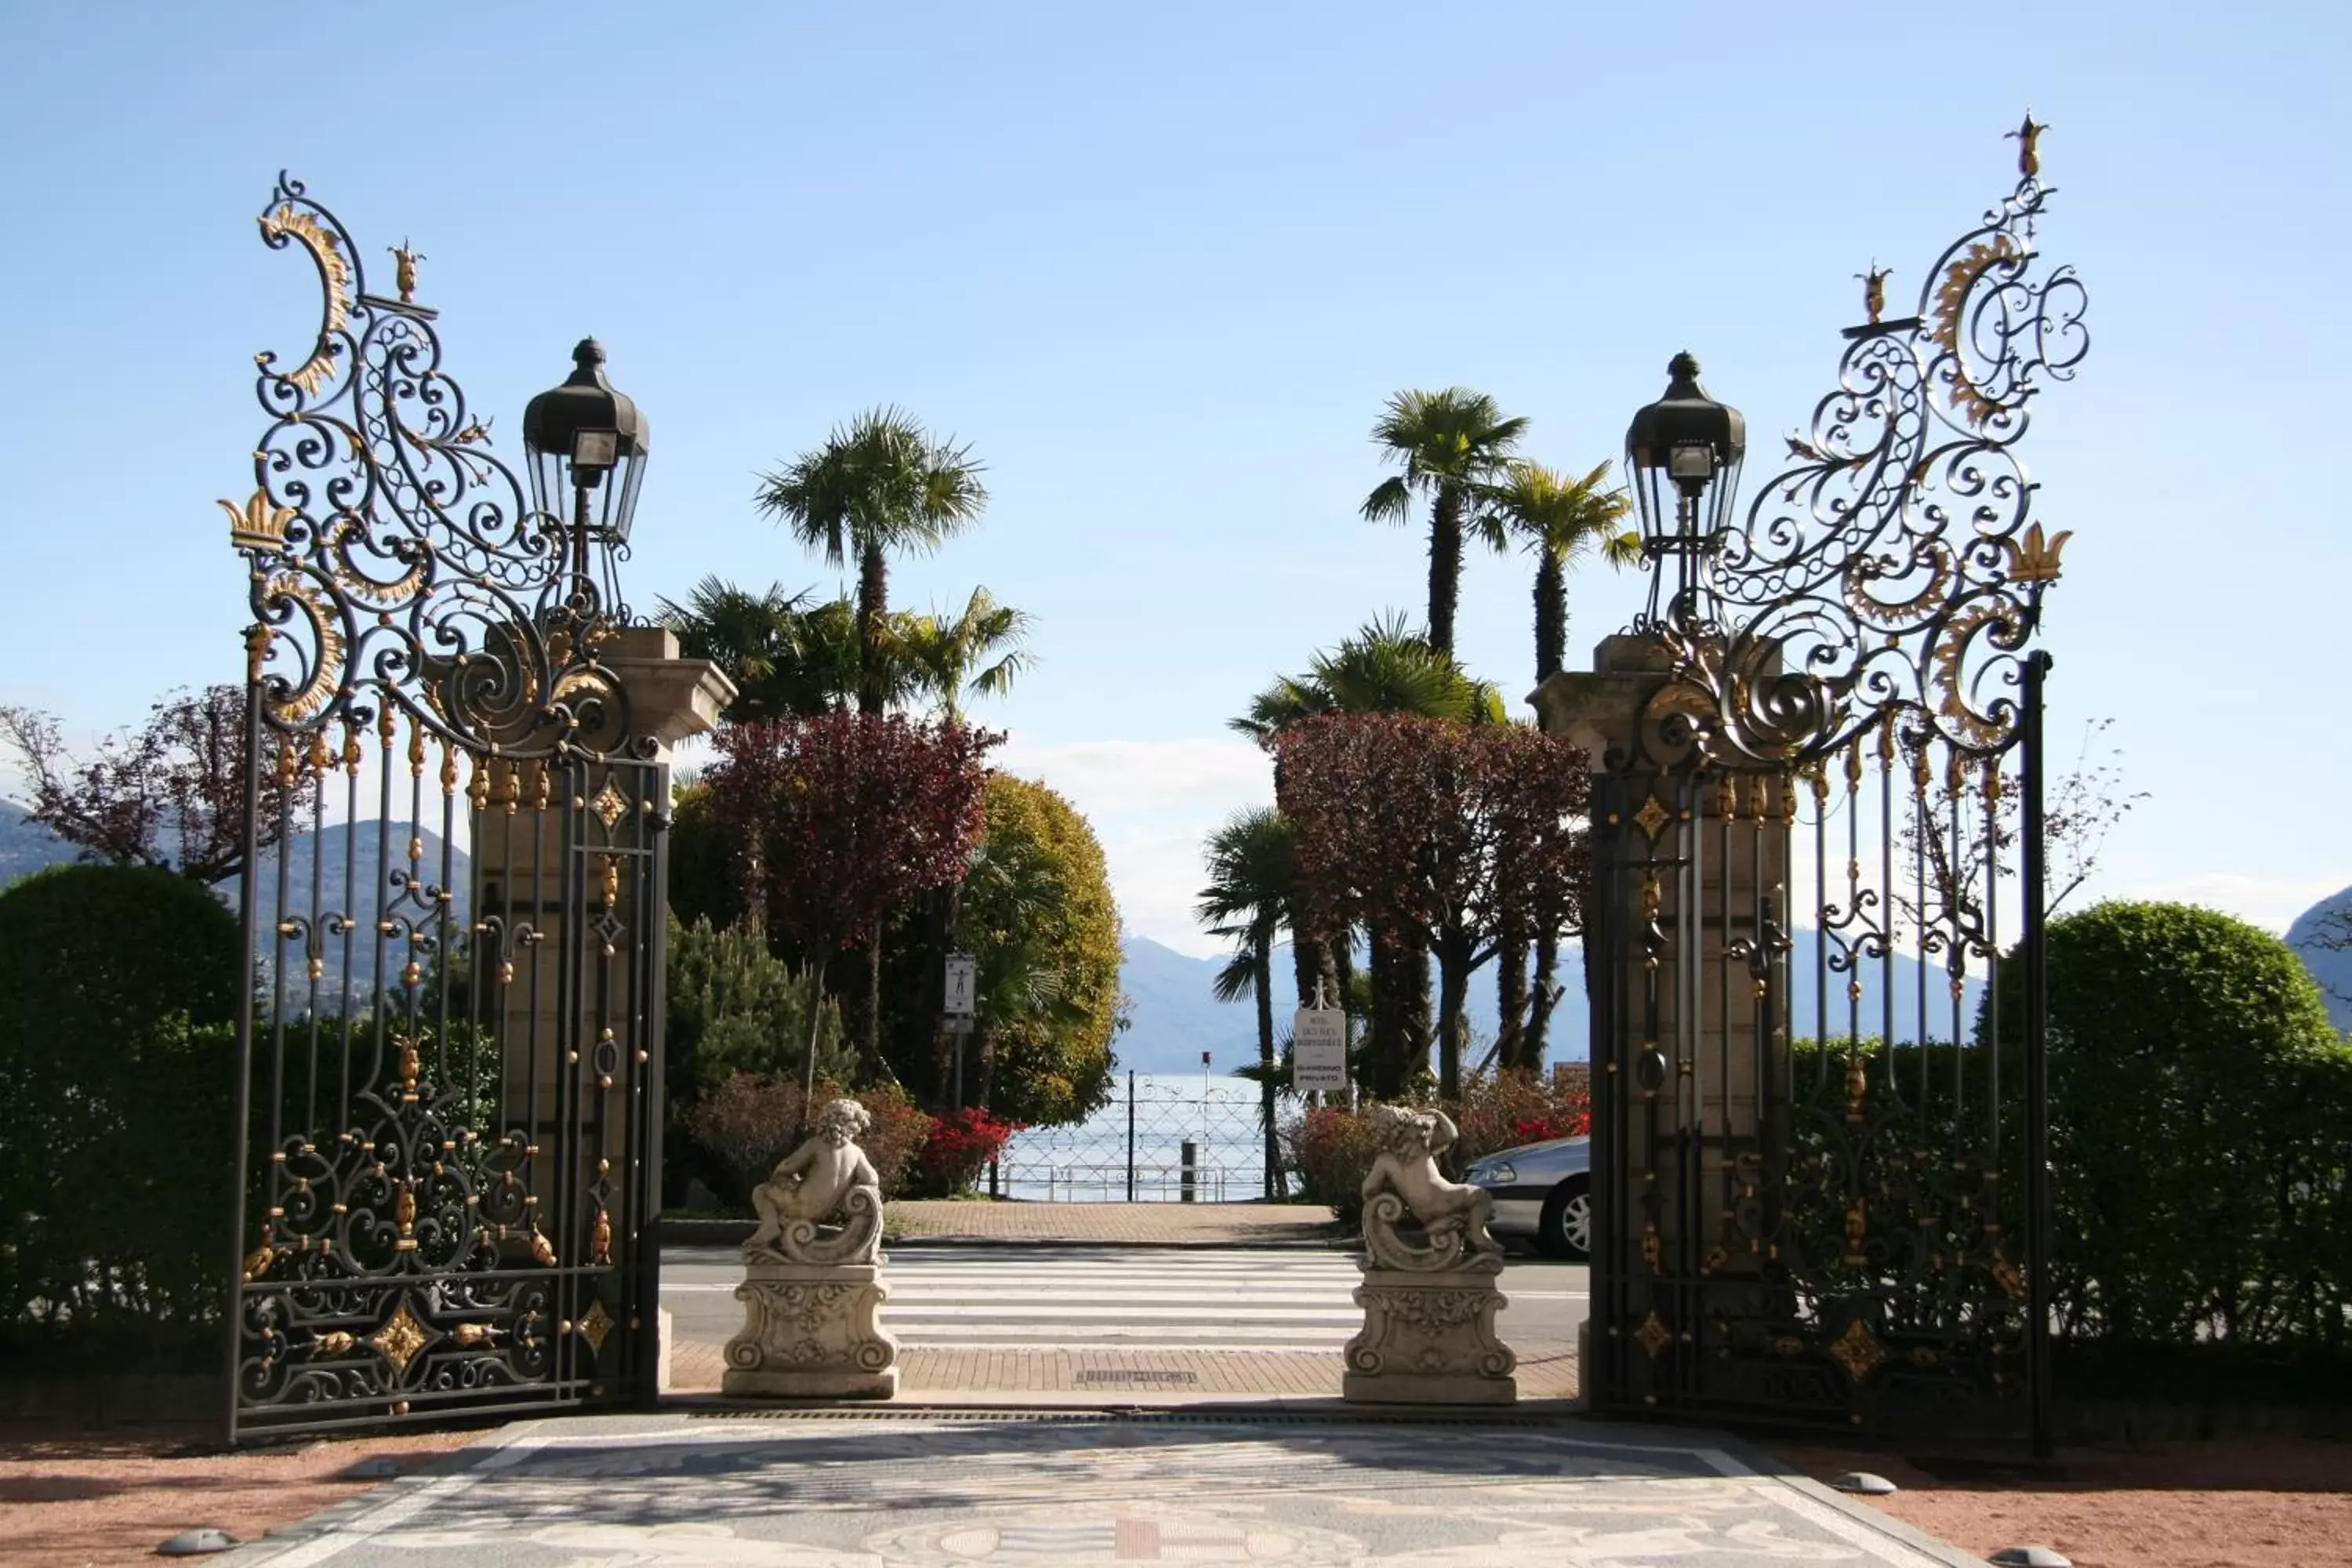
[1177, 1017]
[2322, 934]
[1176, 1014]
[24, 844]
[343, 857]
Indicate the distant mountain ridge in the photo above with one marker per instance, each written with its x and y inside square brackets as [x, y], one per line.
[1176, 1015]
[26, 846]
[2328, 921]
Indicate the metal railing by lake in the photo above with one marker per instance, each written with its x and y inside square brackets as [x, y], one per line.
[1164, 1137]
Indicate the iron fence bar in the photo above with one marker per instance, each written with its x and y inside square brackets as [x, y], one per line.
[2037, 1067]
[644, 1195]
[241, 1129]
[1131, 1135]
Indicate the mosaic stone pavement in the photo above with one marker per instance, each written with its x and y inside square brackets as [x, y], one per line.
[908, 1488]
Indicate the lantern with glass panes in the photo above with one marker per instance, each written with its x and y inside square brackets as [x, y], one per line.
[1682, 456]
[587, 446]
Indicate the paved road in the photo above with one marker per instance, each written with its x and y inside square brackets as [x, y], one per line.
[1048, 1297]
[892, 1490]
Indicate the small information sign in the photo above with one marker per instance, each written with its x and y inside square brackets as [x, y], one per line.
[963, 973]
[1319, 1050]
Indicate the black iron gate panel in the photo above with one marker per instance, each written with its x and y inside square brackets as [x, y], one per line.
[1817, 873]
[453, 908]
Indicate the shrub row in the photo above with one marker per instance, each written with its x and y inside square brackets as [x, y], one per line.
[748, 1121]
[1333, 1148]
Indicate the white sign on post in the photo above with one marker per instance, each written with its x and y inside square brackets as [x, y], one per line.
[963, 973]
[1318, 1040]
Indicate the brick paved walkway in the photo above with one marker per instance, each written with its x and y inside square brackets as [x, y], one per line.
[985, 1377]
[1204, 1225]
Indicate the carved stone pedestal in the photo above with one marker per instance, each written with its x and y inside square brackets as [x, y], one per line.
[812, 1331]
[1429, 1339]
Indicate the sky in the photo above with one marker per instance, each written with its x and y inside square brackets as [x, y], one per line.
[1161, 265]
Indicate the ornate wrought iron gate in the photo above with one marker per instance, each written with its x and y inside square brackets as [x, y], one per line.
[1815, 960]
[450, 1051]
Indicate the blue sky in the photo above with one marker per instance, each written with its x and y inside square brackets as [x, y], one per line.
[1161, 265]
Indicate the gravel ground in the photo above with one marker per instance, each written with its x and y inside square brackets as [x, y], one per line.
[110, 1497]
[2251, 1503]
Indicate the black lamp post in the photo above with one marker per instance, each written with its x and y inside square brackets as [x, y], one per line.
[586, 427]
[1690, 443]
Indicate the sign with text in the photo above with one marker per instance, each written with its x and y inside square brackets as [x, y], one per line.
[963, 975]
[1318, 1039]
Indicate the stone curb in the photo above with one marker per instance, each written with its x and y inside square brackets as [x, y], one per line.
[734, 1232]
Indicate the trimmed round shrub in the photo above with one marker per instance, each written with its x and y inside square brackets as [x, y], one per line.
[118, 989]
[748, 1121]
[2201, 1133]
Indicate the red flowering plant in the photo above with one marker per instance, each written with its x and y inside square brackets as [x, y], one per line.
[960, 1146]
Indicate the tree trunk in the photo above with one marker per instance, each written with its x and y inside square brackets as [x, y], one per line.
[1420, 1027]
[1307, 963]
[1265, 1088]
[1535, 1043]
[1511, 997]
[873, 602]
[871, 1046]
[1390, 1049]
[1445, 566]
[1551, 616]
[1452, 984]
[817, 1021]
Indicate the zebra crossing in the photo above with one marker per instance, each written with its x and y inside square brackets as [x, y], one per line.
[1032, 1298]
[1012, 1299]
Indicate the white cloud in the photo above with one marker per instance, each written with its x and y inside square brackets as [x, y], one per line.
[1152, 803]
[2271, 903]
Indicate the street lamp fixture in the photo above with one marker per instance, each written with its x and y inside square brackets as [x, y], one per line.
[587, 446]
[1689, 445]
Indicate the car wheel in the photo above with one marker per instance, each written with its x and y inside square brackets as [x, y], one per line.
[1566, 1228]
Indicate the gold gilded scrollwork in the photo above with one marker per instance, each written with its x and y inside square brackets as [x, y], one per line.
[290, 222]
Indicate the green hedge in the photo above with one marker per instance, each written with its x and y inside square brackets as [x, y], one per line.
[2201, 1133]
[117, 1073]
[2201, 1145]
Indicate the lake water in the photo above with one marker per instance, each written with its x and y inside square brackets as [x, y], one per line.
[1091, 1162]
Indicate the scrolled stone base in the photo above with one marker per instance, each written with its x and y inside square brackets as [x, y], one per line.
[812, 1331]
[1429, 1339]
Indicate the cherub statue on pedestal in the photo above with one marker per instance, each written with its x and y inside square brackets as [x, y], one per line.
[1405, 1179]
[827, 1176]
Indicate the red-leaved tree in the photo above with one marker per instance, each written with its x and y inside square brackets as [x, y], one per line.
[170, 793]
[1454, 833]
[842, 817]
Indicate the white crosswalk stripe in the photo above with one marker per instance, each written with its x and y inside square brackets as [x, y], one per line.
[996, 1299]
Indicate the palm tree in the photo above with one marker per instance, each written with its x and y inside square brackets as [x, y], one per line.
[1447, 444]
[786, 654]
[1247, 901]
[880, 483]
[1384, 668]
[1560, 521]
[949, 654]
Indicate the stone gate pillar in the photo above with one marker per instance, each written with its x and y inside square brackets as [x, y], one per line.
[1682, 946]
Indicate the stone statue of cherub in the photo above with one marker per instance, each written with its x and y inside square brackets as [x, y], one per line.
[827, 1176]
[1404, 1179]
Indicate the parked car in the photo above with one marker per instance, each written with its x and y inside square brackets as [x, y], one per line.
[1543, 1191]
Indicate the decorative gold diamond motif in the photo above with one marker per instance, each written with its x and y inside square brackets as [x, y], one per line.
[1652, 816]
[1857, 1351]
[1654, 1335]
[594, 1324]
[610, 805]
[399, 1340]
